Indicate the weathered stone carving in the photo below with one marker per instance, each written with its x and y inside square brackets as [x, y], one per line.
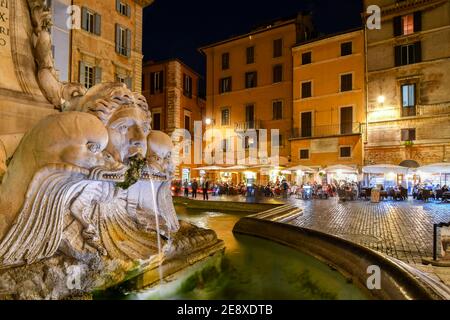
[88, 188]
[61, 95]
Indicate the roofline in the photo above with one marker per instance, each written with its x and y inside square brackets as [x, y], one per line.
[328, 36]
[215, 44]
[151, 63]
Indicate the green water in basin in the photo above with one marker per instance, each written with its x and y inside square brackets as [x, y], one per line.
[254, 268]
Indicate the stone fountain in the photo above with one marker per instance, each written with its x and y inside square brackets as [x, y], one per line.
[85, 200]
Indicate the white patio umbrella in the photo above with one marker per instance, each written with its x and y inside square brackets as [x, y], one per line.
[440, 168]
[209, 168]
[301, 168]
[341, 168]
[238, 167]
[384, 169]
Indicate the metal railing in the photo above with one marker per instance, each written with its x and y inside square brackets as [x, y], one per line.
[247, 125]
[327, 130]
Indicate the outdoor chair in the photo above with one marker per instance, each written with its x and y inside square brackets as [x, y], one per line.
[404, 194]
[426, 194]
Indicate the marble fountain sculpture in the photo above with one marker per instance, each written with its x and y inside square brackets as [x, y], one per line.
[85, 199]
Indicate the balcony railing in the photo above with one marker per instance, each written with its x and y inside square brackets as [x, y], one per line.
[327, 130]
[247, 125]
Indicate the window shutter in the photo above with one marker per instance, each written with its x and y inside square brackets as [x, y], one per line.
[129, 83]
[417, 21]
[128, 11]
[117, 38]
[161, 81]
[397, 26]
[98, 24]
[128, 43]
[412, 134]
[418, 51]
[84, 20]
[118, 5]
[82, 73]
[398, 56]
[152, 83]
[98, 75]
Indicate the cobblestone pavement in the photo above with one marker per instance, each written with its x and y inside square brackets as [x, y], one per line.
[402, 229]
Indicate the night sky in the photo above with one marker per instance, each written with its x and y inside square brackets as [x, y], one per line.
[177, 28]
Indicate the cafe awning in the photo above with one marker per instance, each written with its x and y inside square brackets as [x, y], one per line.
[340, 168]
[384, 169]
[301, 168]
[440, 168]
[209, 168]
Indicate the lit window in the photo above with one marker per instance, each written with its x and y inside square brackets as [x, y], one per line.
[408, 24]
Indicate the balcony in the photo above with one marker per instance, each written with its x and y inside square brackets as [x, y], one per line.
[247, 125]
[327, 131]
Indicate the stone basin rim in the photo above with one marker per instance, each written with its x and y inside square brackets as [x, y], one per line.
[400, 281]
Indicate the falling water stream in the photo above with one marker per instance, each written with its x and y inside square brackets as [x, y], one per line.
[155, 209]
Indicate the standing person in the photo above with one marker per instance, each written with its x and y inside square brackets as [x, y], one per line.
[194, 189]
[205, 187]
[285, 187]
[186, 188]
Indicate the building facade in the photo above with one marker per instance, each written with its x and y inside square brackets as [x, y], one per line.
[329, 101]
[104, 46]
[171, 89]
[249, 88]
[408, 106]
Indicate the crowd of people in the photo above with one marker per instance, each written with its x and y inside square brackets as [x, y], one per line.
[426, 191]
[310, 190]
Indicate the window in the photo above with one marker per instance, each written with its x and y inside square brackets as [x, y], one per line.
[306, 124]
[346, 48]
[408, 100]
[277, 48]
[123, 8]
[345, 152]
[304, 154]
[187, 122]
[156, 122]
[306, 58]
[123, 41]
[250, 55]
[346, 82]
[408, 54]
[156, 82]
[251, 80]
[90, 21]
[346, 117]
[408, 134]
[187, 85]
[89, 75]
[306, 89]
[225, 61]
[408, 24]
[277, 107]
[124, 79]
[250, 115]
[278, 73]
[225, 85]
[225, 118]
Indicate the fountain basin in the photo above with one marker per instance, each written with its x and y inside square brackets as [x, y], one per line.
[399, 281]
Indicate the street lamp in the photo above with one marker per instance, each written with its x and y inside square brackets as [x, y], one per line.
[381, 99]
[208, 121]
